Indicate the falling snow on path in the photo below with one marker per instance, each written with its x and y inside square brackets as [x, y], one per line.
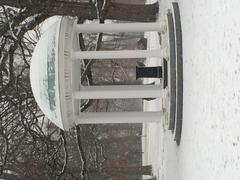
[210, 145]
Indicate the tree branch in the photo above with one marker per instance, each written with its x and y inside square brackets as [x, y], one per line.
[64, 144]
[84, 171]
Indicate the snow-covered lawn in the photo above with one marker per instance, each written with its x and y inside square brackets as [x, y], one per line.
[210, 144]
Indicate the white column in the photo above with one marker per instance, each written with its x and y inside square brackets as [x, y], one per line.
[118, 117]
[124, 54]
[118, 92]
[121, 27]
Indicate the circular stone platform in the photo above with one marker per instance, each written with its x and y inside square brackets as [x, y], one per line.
[174, 88]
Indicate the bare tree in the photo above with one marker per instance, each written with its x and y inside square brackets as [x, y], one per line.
[30, 146]
[117, 11]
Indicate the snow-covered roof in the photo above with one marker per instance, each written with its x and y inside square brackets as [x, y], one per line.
[43, 74]
[49, 65]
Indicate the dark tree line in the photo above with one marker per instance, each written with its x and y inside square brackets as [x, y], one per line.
[30, 147]
[117, 11]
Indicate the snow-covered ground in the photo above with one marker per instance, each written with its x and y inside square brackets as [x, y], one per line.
[210, 144]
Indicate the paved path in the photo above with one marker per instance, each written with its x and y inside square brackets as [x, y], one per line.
[210, 146]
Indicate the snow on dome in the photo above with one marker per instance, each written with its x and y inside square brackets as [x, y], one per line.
[44, 74]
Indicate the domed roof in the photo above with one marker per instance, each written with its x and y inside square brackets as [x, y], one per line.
[44, 74]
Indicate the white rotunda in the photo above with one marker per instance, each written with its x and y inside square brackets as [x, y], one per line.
[56, 78]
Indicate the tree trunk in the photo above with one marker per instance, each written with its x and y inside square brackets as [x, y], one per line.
[116, 11]
[132, 139]
[127, 12]
[126, 170]
[10, 176]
